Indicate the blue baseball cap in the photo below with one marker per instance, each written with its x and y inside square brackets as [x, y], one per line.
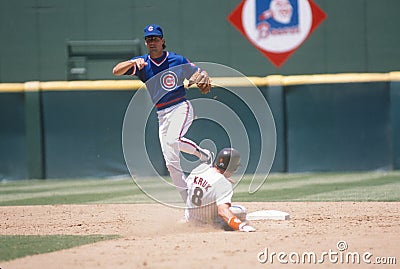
[153, 30]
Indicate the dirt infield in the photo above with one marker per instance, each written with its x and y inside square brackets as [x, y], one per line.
[153, 236]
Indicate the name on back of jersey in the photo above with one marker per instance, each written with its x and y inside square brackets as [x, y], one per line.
[201, 182]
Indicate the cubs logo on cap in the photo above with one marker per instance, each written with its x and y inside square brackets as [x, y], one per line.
[153, 30]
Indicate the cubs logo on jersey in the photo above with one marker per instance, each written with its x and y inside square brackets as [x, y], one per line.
[169, 80]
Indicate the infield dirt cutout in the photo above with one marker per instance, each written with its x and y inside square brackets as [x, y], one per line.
[154, 236]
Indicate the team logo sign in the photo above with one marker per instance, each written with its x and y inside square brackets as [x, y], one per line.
[169, 80]
[275, 18]
[277, 27]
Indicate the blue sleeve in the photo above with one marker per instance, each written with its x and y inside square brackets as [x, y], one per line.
[190, 68]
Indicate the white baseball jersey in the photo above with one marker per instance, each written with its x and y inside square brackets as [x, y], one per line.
[206, 190]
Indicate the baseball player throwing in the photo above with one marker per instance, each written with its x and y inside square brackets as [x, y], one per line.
[210, 194]
[164, 73]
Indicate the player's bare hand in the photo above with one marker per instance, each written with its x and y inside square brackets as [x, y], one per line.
[202, 80]
[139, 62]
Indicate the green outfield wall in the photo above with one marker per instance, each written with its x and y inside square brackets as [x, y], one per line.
[338, 127]
[395, 122]
[13, 142]
[357, 36]
[339, 122]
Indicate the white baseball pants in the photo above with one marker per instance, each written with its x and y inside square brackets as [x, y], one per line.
[174, 122]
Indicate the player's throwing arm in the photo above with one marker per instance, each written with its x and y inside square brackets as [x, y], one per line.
[122, 67]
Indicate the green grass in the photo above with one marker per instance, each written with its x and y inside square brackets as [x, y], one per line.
[365, 186]
[373, 186]
[69, 191]
[17, 246]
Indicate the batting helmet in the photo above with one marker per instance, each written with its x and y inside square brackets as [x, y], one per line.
[228, 160]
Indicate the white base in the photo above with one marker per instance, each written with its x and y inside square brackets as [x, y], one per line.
[268, 214]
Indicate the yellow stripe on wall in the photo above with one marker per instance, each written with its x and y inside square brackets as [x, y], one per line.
[272, 80]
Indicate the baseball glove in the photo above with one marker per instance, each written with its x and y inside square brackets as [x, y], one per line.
[202, 80]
